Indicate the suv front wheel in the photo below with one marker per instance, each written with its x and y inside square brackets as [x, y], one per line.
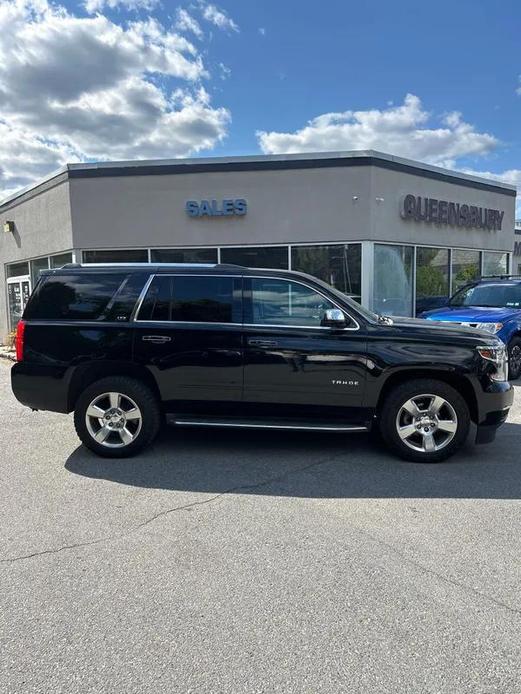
[514, 359]
[117, 417]
[424, 421]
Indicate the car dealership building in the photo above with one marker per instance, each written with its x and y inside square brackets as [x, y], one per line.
[398, 235]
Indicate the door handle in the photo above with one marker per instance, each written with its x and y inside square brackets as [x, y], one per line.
[156, 339]
[258, 342]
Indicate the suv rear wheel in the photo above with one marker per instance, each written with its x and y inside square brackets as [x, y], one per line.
[116, 417]
[424, 421]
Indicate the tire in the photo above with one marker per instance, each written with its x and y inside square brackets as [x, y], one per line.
[421, 439]
[514, 358]
[129, 417]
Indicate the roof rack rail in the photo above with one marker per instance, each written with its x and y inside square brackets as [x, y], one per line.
[231, 266]
[221, 266]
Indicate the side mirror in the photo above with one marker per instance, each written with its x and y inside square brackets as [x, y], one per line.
[334, 318]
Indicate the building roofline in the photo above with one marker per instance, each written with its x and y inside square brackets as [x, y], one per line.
[157, 167]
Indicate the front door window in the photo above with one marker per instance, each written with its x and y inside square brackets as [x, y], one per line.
[282, 302]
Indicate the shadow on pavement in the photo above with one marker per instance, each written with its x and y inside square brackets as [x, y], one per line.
[308, 465]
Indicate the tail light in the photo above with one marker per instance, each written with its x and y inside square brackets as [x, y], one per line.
[19, 342]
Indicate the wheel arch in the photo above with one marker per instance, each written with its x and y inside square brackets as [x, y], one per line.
[457, 381]
[86, 374]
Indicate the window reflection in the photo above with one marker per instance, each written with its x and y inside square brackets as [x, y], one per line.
[338, 265]
[392, 293]
[495, 263]
[465, 267]
[432, 278]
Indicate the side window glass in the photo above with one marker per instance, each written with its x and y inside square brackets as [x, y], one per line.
[204, 299]
[194, 299]
[74, 297]
[282, 302]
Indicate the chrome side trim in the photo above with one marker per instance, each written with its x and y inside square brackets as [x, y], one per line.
[137, 307]
[245, 425]
[173, 323]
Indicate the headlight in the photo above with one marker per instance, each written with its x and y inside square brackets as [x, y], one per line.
[490, 327]
[498, 356]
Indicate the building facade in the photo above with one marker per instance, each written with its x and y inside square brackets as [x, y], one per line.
[397, 235]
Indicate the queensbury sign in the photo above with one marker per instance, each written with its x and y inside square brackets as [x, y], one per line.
[216, 208]
[453, 214]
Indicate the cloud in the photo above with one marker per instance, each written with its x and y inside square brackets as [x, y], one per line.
[518, 90]
[262, 31]
[401, 130]
[86, 88]
[93, 6]
[225, 71]
[218, 17]
[185, 22]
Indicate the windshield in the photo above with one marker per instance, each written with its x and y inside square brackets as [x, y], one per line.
[495, 295]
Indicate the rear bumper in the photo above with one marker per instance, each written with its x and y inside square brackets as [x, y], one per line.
[494, 404]
[40, 387]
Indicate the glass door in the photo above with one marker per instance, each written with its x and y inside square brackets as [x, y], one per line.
[18, 293]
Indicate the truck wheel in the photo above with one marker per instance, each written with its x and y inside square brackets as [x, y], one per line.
[424, 421]
[116, 417]
[514, 358]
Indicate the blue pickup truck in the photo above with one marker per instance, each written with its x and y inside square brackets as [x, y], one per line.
[492, 304]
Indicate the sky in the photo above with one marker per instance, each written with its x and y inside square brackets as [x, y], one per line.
[105, 80]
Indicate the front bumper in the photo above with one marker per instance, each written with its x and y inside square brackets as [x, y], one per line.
[493, 404]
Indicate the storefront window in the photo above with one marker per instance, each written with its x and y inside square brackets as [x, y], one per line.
[465, 267]
[61, 259]
[184, 255]
[260, 256]
[432, 278]
[495, 263]
[17, 269]
[127, 255]
[392, 294]
[338, 265]
[36, 266]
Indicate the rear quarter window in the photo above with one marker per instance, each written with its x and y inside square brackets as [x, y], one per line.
[75, 297]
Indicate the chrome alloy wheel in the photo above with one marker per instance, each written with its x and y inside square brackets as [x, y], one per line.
[426, 423]
[113, 420]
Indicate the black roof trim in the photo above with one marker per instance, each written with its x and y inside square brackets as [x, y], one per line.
[282, 165]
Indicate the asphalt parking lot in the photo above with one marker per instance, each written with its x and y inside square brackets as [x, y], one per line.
[247, 562]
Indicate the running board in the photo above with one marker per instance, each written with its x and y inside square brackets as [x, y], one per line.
[252, 424]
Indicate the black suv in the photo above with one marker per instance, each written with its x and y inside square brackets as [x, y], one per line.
[125, 347]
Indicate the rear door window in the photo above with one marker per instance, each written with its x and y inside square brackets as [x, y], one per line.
[193, 299]
[74, 297]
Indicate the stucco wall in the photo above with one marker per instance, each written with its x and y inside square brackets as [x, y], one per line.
[283, 206]
[335, 204]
